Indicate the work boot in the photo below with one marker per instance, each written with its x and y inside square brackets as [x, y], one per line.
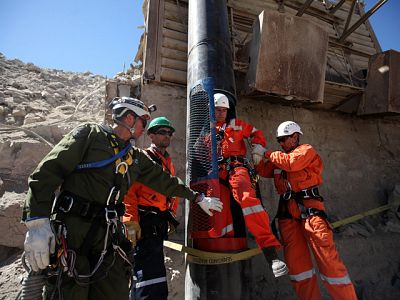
[278, 267]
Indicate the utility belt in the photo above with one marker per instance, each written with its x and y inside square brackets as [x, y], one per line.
[300, 197]
[154, 222]
[232, 162]
[312, 193]
[69, 203]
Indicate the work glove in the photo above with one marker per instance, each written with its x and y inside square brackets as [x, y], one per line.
[40, 242]
[257, 153]
[134, 231]
[209, 203]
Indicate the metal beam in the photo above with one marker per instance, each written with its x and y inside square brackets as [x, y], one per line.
[337, 6]
[302, 9]
[324, 16]
[362, 19]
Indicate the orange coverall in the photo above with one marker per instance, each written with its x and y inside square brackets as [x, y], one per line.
[139, 194]
[232, 146]
[293, 172]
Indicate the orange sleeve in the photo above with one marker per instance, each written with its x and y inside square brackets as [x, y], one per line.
[256, 135]
[265, 169]
[131, 203]
[294, 161]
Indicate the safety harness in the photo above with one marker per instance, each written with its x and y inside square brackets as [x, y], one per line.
[232, 162]
[106, 215]
[300, 197]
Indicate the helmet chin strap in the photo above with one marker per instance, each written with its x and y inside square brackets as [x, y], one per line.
[131, 129]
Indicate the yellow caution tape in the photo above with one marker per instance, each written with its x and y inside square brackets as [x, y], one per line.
[211, 258]
[361, 215]
[216, 258]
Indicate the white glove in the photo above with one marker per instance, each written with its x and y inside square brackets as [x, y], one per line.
[134, 231]
[40, 241]
[208, 203]
[258, 153]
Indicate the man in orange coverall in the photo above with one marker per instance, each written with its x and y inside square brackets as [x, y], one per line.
[234, 168]
[302, 219]
[150, 215]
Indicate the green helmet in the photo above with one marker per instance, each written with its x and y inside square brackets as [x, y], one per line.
[160, 122]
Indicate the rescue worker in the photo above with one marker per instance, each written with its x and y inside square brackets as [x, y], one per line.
[234, 169]
[153, 215]
[302, 218]
[93, 165]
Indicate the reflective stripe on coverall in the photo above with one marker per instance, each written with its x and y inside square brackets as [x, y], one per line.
[302, 169]
[255, 216]
[149, 269]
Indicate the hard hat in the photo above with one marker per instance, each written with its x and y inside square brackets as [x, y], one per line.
[128, 103]
[160, 122]
[220, 100]
[288, 128]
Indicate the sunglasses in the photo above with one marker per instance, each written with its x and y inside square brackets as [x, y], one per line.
[164, 132]
[283, 139]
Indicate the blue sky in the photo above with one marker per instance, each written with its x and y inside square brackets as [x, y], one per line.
[101, 35]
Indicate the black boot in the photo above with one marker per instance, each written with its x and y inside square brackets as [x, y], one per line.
[278, 267]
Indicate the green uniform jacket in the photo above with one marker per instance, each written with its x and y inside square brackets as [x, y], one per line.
[89, 143]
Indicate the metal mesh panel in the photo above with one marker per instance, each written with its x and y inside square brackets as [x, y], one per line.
[202, 166]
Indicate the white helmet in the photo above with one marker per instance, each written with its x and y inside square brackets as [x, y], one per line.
[220, 100]
[135, 105]
[288, 128]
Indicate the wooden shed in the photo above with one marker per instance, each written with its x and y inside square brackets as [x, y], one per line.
[351, 42]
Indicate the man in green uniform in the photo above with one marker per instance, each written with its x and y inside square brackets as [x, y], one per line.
[93, 166]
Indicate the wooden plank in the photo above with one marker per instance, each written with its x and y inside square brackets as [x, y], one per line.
[150, 57]
[176, 14]
[159, 38]
[343, 87]
[177, 26]
[359, 59]
[367, 25]
[362, 48]
[362, 30]
[175, 76]
[253, 7]
[181, 10]
[174, 64]
[175, 44]
[174, 54]
[176, 35]
[366, 43]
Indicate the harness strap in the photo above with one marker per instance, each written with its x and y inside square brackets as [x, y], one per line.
[105, 162]
[69, 203]
[311, 193]
[158, 160]
[299, 197]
